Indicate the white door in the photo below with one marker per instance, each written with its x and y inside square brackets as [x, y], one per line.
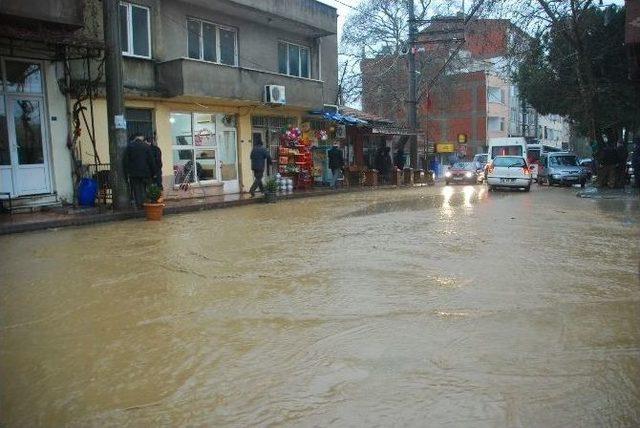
[27, 141]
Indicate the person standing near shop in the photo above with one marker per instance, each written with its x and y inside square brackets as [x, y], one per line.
[139, 167]
[157, 157]
[336, 162]
[259, 156]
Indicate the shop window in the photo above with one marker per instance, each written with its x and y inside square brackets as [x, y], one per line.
[135, 30]
[204, 148]
[210, 42]
[139, 121]
[294, 60]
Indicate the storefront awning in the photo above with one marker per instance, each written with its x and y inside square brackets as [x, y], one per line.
[339, 118]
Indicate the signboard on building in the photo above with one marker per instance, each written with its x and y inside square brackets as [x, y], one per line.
[445, 148]
[462, 138]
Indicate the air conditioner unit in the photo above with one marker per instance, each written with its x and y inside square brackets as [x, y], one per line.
[330, 108]
[341, 131]
[274, 94]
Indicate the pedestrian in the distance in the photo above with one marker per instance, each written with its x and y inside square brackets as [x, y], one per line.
[336, 162]
[139, 167]
[400, 159]
[259, 156]
[621, 164]
[386, 165]
[157, 157]
[635, 160]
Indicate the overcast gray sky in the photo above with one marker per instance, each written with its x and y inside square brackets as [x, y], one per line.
[343, 10]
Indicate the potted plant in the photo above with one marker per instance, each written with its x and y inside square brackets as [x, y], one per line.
[270, 189]
[154, 208]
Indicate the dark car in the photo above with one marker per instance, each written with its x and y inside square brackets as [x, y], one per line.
[463, 172]
[588, 165]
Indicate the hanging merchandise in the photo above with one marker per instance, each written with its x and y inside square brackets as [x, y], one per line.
[295, 159]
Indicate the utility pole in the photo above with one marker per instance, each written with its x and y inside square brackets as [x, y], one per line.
[412, 103]
[115, 102]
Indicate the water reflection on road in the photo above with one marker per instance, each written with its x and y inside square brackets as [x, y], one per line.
[445, 306]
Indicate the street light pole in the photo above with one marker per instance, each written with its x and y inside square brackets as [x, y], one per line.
[412, 103]
[115, 102]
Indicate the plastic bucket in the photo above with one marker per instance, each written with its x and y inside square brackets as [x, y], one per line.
[87, 190]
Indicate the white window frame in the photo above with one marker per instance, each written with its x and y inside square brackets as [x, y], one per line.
[218, 41]
[129, 47]
[300, 47]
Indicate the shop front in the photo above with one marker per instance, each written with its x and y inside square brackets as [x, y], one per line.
[204, 151]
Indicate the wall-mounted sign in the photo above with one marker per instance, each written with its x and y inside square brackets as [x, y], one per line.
[445, 148]
[462, 138]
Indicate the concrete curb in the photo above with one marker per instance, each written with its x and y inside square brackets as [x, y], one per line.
[88, 219]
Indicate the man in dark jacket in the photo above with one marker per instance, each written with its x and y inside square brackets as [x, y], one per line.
[139, 167]
[635, 160]
[157, 157]
[258, 157]
[336, 162]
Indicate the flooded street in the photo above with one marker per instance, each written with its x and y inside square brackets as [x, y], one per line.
[427, 306]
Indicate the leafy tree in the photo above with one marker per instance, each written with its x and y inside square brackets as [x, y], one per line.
[577, 67]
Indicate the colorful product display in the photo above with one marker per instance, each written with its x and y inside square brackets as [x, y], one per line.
[295, 158]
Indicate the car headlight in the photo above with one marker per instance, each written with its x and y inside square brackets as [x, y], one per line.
[447, 174]
[468, 174]
[557, 176]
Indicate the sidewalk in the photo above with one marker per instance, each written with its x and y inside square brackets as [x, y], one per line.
[71, 216]
[595, 193]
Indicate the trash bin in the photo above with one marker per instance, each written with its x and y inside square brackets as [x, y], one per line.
[87, 190]
[396, 177]
[419, 177]
[371, 178]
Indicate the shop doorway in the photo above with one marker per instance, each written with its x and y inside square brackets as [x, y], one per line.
[24, 154]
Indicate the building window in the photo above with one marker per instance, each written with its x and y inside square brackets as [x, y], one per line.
[210, 42]
[294, 60]
[495, 95]
[139, 122]
[496, 124]
[135, 31]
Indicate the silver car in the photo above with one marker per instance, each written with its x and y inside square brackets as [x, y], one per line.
[561, 168]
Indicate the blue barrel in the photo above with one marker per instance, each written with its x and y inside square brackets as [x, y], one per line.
[87, 190]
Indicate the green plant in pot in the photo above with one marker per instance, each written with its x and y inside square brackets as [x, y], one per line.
[271, 189]
[154, 207]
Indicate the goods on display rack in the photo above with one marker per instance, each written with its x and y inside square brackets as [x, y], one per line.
[295, 158]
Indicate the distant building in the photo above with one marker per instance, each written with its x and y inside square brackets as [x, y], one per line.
[474, 102]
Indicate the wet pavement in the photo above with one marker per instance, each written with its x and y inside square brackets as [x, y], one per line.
[427, 306]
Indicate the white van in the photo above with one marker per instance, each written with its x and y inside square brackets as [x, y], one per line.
[511, 146]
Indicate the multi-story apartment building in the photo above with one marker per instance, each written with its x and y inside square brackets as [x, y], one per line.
[474, 100]
[195, 77]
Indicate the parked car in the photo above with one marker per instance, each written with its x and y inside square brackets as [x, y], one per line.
[588, 165]
[463, 172]
[509, 171]
[481, 165]
[561, 168]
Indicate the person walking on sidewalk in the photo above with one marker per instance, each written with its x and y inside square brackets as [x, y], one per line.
[139, 167]
[157, 157]
[259, 155]
[336, 162]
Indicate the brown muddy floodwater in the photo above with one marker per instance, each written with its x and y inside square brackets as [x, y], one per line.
[420, 307]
